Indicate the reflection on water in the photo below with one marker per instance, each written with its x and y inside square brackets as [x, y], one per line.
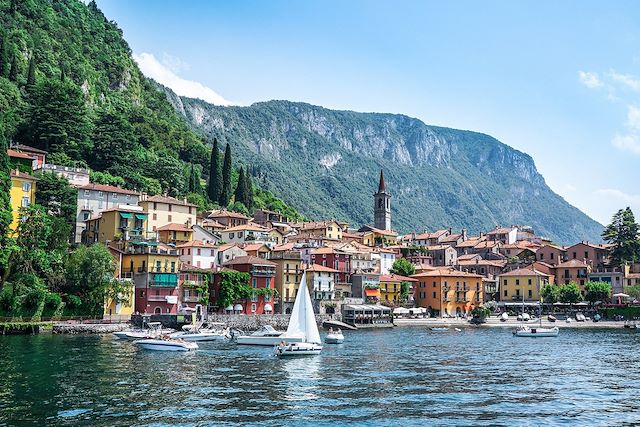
[407, 376]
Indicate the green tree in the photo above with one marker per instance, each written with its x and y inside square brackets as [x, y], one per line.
[404, 292]
[170, 173]
[238, 207]
[225, 192]
[194, 180]
[215, 174]
[54, 193]
[550, 293]
[113, 140]
[633, 291]
[58, 118]
[402, 267]
[4, 70]
[13, 70]
[570, 294]
[249, 191]
[622, 232]
[6, 211]
[31, 74]
[597, 291]
[234, 286]
[90, 275]
[241, 189]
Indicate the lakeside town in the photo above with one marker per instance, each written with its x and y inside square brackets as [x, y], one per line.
[173, 260]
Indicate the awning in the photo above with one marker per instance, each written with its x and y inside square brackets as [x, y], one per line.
[125, 215]
[230, 308]
[267, 307]
[238, 307]
[401, 310]
[372, 292]
[141, 216]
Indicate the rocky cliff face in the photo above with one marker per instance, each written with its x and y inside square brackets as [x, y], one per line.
[326, 163]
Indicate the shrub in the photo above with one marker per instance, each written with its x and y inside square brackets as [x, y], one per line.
[52, 300]
[33, 298]
[7, 301]
[73, 301]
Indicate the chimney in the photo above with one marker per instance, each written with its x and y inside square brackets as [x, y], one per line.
[464, 234]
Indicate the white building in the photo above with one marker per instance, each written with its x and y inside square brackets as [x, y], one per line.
[321, 282]
[387, 257]
[228, 252]
[199, 254]
[248, 233]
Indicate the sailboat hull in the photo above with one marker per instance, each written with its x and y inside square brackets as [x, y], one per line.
[536, 332]
[299, 349]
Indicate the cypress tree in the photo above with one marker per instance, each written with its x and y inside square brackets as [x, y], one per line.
[13, 71]
[213, 189]
[31, 74]
[249, 192]
[241, 195]
[3, 56]
[197, 187]
[225, 193]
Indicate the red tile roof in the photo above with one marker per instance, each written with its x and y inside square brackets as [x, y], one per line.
[197, 244]
[227, 214]
[174, 227]
[252, 260]
[18, 174]
[108, 189]
[572, 263]
[321, 268]
[445, 272]
[18, 155]
[167, 200]
[523, 272]
[396, 278]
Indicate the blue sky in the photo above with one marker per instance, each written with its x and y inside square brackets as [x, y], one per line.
[558, 80]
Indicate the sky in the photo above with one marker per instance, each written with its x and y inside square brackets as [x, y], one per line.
[557, 80]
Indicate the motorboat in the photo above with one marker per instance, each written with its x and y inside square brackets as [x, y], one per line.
[154, 331]
[166, 344]
[334, 337]
[302, 325]
[524, 317]
[504, 317]
[266, 335]
[202, 335]
[438, 328]
[526, 331]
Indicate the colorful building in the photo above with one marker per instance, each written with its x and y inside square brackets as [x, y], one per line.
[448, 292]
[289, 269]
[121, 223]
[522, 284]
[175, 233]
[391, 288]
[23, 194]
[198, 254]
[262, 275]
[164, 210]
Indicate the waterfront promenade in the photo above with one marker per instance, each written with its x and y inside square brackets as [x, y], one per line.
[512, 323]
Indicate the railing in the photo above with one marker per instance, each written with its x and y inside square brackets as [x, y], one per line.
[191, 298]
[157, 297]
[262, 272]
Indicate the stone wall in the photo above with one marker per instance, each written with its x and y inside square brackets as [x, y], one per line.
[89, 328]
[245, 322]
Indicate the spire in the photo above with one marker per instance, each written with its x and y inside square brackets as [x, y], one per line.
[381, 187]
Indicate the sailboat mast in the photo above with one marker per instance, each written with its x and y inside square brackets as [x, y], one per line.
[539, 296]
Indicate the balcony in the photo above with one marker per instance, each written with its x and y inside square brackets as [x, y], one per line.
[167, 280]
[157, 298]
[262, 272]
[191, 298]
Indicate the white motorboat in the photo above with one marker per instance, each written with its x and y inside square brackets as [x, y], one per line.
[302, 325]
[526, 331]
[334, 337]
[166, 344]
[154, 330]
[202, 335]
[266, 335]
[438, 329]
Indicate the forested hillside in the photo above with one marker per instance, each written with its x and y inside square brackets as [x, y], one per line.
[69, 85]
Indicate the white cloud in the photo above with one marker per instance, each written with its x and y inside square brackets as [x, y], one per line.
[174, 63]
[629, 142]
[163, 74]
[589, 79]
[626, 80]
[630, 199]
[633, 117]
[570, 187]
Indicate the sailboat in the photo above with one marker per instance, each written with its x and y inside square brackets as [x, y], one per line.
[302, 326]
[526, 331]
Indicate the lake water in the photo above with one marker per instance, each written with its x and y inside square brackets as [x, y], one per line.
[408, 376]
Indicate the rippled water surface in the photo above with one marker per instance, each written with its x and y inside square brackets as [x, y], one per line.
[407, 376]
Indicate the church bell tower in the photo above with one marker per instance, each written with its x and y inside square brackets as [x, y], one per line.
[382, 206]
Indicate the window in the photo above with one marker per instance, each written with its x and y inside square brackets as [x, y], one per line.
[155, 206]
[170, 218]
[254, 283]
[434, 284]
[434, 295]
[100, 194]
[530, 293]
[25, 201]
[86, 193]
[574, 255]
[173, 266]
[158, 266]
[240, 235]
[85, 216]
[115, 196]
[170, 207]
[505, 293]
[267, 298]
[541, 257]
[199, 251]
[26, 187]
[253, 308]
[529, 281]
[586, 255]
[231, 235]
[551, 255]
[128, 197]
[141, 294]
[268, 283]
[517, 281]
[517, 292]
[155, 216]
[254, 297]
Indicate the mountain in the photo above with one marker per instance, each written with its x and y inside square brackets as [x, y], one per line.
[69, 85]
[326, 163]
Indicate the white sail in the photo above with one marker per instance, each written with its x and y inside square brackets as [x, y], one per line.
[303, 320]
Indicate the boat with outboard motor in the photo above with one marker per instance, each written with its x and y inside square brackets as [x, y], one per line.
[154, 330]
[302, 325]
[203, 334]
[334, 336]
[166, 344]
[266, 335]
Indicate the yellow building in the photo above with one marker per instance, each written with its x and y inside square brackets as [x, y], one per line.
[316, 229]
[23, 193]
[391, 287]
[376, 237]
[123, 223]
[289, 269]
[448, 292]
[144, 257]
[165, 210]
[174, 233]
[526, 282]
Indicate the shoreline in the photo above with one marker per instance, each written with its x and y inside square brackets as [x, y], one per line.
[511, 323]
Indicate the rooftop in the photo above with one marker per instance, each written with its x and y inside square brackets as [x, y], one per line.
[445, 272]
[108, 189]
[174, 227]
[167, 200]
[250, 260]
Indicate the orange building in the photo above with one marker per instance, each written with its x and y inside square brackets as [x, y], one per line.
[448, 292]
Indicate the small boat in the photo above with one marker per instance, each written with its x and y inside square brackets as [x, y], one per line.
[526, 331]
[438, 328]
[334, 337]
[202, 335]
[504, 317]
[166, 344]
[302, 324]
[154, 330]
[336, 324]
[458, 330]
[266, 335]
